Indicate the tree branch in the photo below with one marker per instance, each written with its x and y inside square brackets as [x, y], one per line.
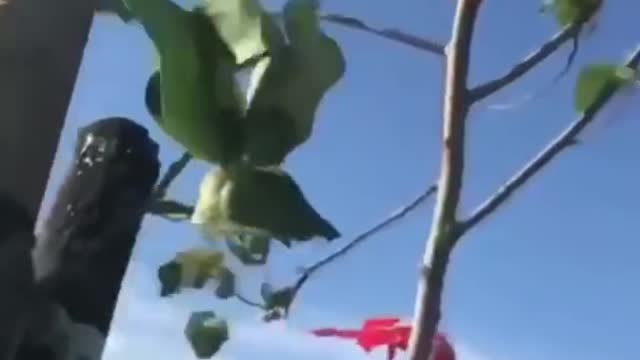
[397, 215]
[563, 141]
[482, 91]
[443, 234]
[416, 42]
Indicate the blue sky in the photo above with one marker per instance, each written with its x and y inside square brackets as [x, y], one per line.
[553, 275]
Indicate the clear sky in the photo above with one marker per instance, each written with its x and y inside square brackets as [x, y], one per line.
[553, 275]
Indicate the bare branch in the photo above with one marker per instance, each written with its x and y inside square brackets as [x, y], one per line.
[397, 215]
[482, 91]
[443, 234]
[414, 41]
[564, 140]
[172, 172]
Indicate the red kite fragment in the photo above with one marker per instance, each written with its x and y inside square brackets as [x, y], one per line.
[390, 333]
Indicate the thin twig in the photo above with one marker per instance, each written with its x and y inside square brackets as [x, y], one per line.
[443, 235]
[172, 172]
[564, 140]
[482, 91]
[397, 215]
[414, 41]
[249, 302]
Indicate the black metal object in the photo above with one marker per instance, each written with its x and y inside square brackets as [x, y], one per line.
[81, 255]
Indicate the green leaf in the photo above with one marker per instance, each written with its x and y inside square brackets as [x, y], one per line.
[250, 250]
[572, 11]
[190, 269]
[206, 333]
[169, 275]
[276, 299]
[245, 27]
[287, 88]
[261, 202]
[227, 284]
[596, 79]
[200, 108]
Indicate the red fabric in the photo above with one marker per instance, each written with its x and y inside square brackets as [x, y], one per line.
[388, 332]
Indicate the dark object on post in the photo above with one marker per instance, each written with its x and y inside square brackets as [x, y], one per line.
[82, 253]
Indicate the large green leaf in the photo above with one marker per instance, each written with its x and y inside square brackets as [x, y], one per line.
[245, 27]
[263, 202]
[572, 11]
[287, 88]
[206, 333]
[200, 108]
[595, 79]
[191, 269]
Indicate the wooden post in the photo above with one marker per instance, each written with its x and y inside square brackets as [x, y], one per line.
[41, 46]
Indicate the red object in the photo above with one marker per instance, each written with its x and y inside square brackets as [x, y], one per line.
[390, 333]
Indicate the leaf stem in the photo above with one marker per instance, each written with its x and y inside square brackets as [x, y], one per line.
[172, 173]
[249, 302]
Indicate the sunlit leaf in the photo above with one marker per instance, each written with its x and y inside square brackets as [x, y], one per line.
[206, 333]
[261, 202]
[287, 88]
[245, 27]
[596, 79]
[190, 269]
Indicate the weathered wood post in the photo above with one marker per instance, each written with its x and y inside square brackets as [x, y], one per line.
[41, 46]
